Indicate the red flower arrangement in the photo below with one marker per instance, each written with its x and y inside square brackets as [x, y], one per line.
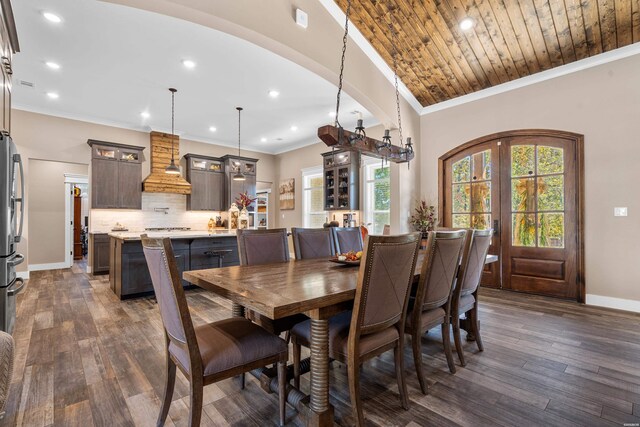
[244, 200]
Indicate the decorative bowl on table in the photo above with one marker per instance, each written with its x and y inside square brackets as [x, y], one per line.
[349, 258]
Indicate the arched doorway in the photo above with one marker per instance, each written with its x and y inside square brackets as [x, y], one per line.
[528, 186]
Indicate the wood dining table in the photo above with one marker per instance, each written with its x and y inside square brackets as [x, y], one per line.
[317, 288]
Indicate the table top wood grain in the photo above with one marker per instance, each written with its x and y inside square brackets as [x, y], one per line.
[317, 287]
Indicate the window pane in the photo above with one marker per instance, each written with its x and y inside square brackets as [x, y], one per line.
[522, 195]
[461, 221]
[316, 202]
[550, 160]
[522, 160]
[461, 170]
[381, 173]
[482, 166]
[551, 193]
[379, 220]
[382, 195]
[523, 230]
[551, 230]
[316, 220]
[315, 181]
[481, 197]
[481, 222]
[461, 200]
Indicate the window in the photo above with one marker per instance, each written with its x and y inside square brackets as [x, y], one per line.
[471, 190]
[377, 196]
[312, 200]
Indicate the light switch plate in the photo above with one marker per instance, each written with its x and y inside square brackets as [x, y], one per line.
[620, 211]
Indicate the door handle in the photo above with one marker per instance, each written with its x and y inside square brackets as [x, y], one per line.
[496, 227]
[16, 260]
[16, 291]
[17, 159]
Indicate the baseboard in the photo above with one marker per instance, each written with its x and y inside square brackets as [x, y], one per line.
[50, 266]
[89, 269]
[23, 274]
[610, 302]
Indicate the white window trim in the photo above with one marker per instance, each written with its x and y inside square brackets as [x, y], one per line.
[369, 212]
[306, 173]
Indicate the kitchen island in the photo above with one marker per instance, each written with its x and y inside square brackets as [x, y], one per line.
[193, 250]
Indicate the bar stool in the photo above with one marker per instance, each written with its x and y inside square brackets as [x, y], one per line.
[219, 253]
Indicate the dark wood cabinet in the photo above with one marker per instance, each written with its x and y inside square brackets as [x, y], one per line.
[233, 188]
[207, 179]
[8, 46]
[116, 175]
[101, 253]
[129, 272]
[341, 178]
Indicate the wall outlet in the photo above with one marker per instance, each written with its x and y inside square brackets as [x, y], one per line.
[620, 211]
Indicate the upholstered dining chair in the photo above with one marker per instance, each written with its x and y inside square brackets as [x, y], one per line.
[347, 239]
[257, 247]
[310, 243]
[377, 321]
[210, 352]
[465, 295]
[431, 305]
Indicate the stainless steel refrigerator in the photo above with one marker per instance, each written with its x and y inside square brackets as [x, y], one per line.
[11, 222]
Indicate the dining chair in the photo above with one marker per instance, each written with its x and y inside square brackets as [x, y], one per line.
[376, 323]
[210, 352]
[431, 305]
[258, 247]
[310, 243]
[465, 295]
[347, 239]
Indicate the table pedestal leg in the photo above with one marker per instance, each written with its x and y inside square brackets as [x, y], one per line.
[320, 411]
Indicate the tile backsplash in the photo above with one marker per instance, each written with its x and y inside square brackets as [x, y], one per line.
[177, 215]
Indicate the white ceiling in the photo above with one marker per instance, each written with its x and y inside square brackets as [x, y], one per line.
[117, 62]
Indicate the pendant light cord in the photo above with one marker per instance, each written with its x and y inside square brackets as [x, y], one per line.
[239, 110]
[173, 118]
[395, 71]
[344, 51]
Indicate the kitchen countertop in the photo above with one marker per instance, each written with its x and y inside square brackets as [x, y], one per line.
[190, 234]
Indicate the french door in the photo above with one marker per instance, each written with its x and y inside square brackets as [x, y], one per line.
[527, 186]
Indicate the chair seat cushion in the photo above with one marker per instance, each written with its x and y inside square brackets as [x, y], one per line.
[428, 319]
[466, 303]
[339, 336]
[230, 343]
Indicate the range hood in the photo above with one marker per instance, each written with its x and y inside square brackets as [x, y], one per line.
[159, 181]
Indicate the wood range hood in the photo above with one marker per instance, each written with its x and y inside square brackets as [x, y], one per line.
[159, 181]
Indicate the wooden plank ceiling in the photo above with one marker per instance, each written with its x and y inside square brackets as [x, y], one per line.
[510, 38]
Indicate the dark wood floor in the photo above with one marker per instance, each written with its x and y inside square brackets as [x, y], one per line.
[85, 358]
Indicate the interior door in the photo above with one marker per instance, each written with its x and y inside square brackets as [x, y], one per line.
[472, 197]
[527, 186]
[539, 215]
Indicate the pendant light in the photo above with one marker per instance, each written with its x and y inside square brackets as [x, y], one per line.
[172, 169]
[239, 176]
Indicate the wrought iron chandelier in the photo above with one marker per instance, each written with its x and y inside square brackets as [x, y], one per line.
[337, 137]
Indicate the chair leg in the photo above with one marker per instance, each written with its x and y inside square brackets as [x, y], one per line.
[353, 371]
[446, 340]
[296, 365]
[475, 325]
[242, 375]
[458, 340]
[195, 411]
[402, 384]
[416, 344]
[168, 392]
[282, 391]
[287, 337]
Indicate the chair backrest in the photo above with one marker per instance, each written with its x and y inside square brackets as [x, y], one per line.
[386, 230]
[473, 258]
[309, 243]
[439, 269]
[257, 247]
[347, 239]
[167, 285]
[384, 282]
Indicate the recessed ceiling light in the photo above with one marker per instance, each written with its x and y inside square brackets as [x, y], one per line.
[189, 63]
[263, 139]
[274, 93]
[332, 114]
[52, 65]
[466, 24]
[53, 95]
[213, 128]
[294, 128]
[52, 17]
[145, 115]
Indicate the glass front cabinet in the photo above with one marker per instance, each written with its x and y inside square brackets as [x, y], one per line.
[341, 171]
